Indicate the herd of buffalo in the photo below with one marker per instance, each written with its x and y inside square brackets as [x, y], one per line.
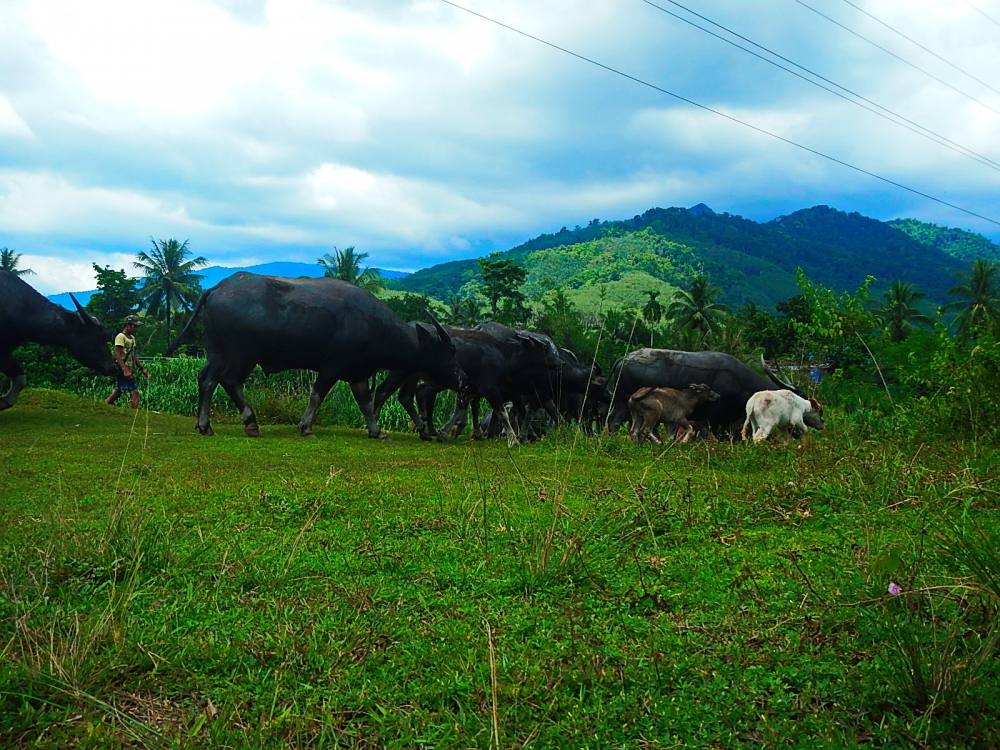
[345, 333]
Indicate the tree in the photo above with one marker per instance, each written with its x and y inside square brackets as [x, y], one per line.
[170, 283]
[9, 261]
[695, 308]
[117, 295]
[899, 313]
[346, 265]
[501, 281]
[652, 312]
[409, 306]
[463, 311]
[978, 305]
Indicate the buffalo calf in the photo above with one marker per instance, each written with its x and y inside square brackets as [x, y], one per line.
[767, 410]
[651, 407]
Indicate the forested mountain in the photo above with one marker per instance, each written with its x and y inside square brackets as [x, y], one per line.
[958, 243]
[749, 261]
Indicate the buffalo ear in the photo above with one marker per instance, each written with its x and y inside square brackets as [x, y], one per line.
[424, 337]
[815, 406]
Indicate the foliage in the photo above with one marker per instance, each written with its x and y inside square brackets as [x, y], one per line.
[502, 280]
[836, 323]
[409, 306]
[899, 313]
[957, 243]
[346, 265]
[695, 309]
[463, 311]
[10, 260]
[978, 305]
[117, 295]
[169, 283]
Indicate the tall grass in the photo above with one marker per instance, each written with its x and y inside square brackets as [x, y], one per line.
[278, 398]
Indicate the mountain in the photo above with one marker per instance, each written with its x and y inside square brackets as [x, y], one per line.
[212, 275]
[958, 243]
[750, 261]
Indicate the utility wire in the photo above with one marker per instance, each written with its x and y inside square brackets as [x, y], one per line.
[983, 13]
[926, 49]
[903, 60]
[720, 113]
[884, 112]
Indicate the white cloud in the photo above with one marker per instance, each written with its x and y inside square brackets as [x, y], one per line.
[58, 274]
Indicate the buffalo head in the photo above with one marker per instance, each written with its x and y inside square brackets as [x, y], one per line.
[437, 355]
[89, 342]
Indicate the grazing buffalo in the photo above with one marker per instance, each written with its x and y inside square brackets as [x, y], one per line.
[338, 330]
[767, 410]
[26, 316]
[651, 407]
[582, 391]
[666, 368]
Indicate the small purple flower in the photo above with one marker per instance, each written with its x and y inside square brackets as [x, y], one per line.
[895, 589]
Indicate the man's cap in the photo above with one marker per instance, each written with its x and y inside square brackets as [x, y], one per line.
[133, 319]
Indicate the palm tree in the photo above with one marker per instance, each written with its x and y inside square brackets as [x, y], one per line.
[899, 313]
[695, 308]
[9, 261]
[463, 311]
[979, 298]
[652, 312]
[170, 282]
[346, 266]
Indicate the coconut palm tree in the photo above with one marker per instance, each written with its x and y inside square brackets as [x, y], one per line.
[170, 283]
[9, 260]
[978, 305]
[899, 313]
[652, 312]
[346, 265]
[696, 310]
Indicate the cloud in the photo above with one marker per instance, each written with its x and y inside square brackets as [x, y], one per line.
[278, 128]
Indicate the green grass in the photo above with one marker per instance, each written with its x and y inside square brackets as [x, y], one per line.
[162, 589]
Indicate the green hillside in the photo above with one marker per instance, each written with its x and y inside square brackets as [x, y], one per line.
[750, 261]
[957, 243]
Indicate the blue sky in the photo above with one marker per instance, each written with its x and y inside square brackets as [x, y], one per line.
[276, 129]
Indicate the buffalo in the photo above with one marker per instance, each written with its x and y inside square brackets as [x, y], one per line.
[723, 373]
[326, 325]
[26, 316]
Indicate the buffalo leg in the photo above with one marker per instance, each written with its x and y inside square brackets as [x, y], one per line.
[208, 381]
[324, 382]
[363, 396]
[406, 396]
[10, 368]
[389, 386]
[496, 403]
[454, 426]
[236, 395]
[619, 414]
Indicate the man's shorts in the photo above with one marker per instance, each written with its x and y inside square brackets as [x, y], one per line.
[125, 384]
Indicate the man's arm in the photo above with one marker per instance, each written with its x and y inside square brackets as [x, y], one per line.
[137, 365]
[120, 359]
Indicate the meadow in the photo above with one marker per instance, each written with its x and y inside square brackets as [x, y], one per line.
[159, 589]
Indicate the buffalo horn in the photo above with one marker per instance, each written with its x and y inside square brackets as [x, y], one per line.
[440, 329]
[773, 374]
[79, 309]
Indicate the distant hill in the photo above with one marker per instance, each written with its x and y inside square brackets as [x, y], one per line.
[749, 261]
[957, 243]
[212, 275]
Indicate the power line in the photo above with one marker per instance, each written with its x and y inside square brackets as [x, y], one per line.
[720, 113]
[884, 112]
[898, 57]
[926, 49]
[983, 13]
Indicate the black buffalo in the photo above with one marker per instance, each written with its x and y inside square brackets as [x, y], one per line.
[329, 326]
[26, 316]
[666, 368]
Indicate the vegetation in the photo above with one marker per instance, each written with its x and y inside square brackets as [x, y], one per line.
[346, 265]
[11, 261]
[169, 282]
[978, 305]
[117, 295]
[958, 243]
[899, 313]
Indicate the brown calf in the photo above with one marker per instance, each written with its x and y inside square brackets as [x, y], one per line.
[651, 407]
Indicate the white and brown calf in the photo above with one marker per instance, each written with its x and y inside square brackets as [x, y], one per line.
[651, 407]
[767, 410]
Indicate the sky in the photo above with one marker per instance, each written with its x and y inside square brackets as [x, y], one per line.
[263, 130]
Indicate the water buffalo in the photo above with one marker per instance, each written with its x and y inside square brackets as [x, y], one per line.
[338, 330]
[767, 410]
[651, 407]
[26, 316]
[723, 373]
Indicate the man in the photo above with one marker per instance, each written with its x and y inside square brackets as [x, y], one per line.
[128, 363]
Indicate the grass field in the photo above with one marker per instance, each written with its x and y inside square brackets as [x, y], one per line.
[162, 589]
